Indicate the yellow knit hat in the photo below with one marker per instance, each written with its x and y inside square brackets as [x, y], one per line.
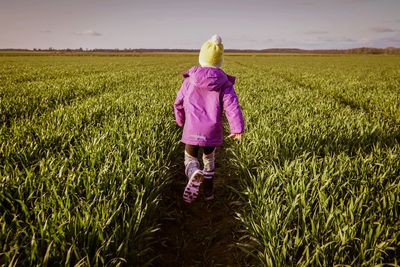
[212, 52]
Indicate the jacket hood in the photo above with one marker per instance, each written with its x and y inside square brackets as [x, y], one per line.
[211, 78]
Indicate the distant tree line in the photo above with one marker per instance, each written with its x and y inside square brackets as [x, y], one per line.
[360, 50]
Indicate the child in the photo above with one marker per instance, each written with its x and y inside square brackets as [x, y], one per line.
[205, 93]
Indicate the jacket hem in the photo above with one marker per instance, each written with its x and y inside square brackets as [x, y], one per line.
[196, 143]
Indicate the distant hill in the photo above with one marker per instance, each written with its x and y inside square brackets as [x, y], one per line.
[360, 50]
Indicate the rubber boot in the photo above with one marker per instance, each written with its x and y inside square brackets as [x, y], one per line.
[208, 173]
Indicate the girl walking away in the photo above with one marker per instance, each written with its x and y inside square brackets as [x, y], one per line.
[207, 91]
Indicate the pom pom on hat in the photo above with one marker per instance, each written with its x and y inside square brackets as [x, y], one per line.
[216, 39]
[212, 52]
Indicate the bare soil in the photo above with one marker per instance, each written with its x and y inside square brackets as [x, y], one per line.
[203, 233]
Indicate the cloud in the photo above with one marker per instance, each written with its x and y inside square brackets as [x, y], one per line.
[383, 29]
[328, 42]
[356, 1]
[307, 3]
[313, 2]
[316, 32]
[337, 40]
[251, 39]
[393, 41]
[347, 40]
[90, 33]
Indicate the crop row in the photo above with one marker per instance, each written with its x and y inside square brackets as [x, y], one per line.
[81, 180]
[319, 166]
[88, 146]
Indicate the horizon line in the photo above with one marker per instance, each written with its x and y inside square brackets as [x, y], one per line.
[195, 49]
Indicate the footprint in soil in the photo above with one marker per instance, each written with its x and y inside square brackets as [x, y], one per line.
[201, 233]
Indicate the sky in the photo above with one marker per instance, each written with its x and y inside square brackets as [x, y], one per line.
[251, 24]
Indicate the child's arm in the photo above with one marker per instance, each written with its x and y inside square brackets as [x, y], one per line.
[178, 105]
[233, 112]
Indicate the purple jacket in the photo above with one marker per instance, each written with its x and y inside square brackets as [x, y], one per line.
[205, 93]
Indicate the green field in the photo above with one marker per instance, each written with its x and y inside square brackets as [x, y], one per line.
[89, 152]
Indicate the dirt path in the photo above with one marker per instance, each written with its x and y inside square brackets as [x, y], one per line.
[202, 233]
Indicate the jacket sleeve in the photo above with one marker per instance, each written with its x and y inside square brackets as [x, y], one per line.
[232, 110]
[178, 105]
